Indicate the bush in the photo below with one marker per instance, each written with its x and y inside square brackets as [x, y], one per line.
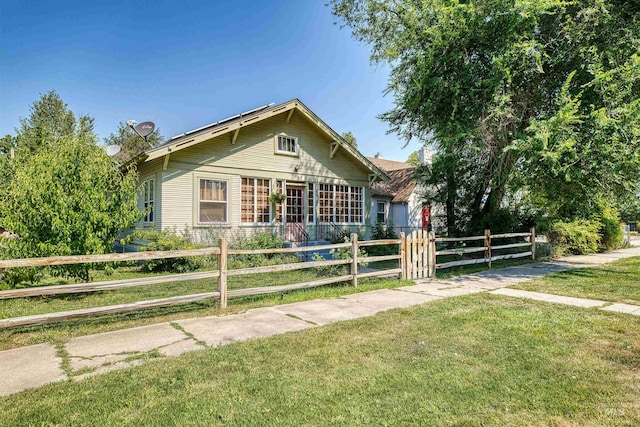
[263, 240]
[340, 253]
[577, 237]
[610, 232]
[166, 240]
[382, 232]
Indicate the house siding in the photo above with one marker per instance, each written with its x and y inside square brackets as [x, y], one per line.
[254, 151]
[252, 155]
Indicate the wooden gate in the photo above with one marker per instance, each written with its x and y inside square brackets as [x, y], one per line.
[419, 254]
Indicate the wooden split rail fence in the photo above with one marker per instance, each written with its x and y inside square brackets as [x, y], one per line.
[416, 257]
[420, 251]
[219, 290]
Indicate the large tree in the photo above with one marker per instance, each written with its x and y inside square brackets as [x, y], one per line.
[413, 159]
[351, 140]
[63, 195]
[7, 147]
[67, 200]
[50, 121]
[131, 144]
[520, 86]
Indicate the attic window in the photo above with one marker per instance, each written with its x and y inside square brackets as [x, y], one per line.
[287, 145]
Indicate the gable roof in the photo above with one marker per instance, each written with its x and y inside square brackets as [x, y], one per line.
[401, 182]
[235, 123]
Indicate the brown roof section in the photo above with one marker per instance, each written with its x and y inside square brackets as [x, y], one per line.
[389, 165]
[401, 180]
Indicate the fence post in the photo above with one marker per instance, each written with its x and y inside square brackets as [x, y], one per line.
[532, 230]
[432, 254]
[222, 278]
[420, 254]
[487, 245]
[403, 269]
[354, 259]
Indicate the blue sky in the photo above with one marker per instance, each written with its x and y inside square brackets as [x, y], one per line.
[186, 64]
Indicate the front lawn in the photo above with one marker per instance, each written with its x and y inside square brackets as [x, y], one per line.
[56, 333]
[618, 281]
[475, 360]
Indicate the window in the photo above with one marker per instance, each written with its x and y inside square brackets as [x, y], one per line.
[212, 201]
[255, 200]
[381, 212]
[311, 204]
[148, 192]
[356, 196]
[325, 202]
[340, 203]
[287, 145]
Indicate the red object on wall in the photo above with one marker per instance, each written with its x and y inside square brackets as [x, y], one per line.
[426, 217]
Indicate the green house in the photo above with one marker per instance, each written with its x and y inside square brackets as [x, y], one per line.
[276, 168]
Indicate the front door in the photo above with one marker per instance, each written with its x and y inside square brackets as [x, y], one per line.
[294, 214]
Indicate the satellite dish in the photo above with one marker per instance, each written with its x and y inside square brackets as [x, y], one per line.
[112, 150]
[144, 129]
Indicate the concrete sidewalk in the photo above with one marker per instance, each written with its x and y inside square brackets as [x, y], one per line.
[33, 366]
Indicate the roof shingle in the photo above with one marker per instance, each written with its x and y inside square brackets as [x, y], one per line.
[401, 183]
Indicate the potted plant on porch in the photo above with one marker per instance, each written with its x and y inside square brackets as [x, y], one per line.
[276, 198]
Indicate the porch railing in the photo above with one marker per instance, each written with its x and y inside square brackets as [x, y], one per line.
[331, 231]
[295, 232]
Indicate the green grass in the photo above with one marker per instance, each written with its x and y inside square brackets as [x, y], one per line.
[58, 332]
[476, 360]
[53, 303]
[618, 281]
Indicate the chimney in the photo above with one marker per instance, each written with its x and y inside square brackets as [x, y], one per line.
[425, 156]
[378, 156]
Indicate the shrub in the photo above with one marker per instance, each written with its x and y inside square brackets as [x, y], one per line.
[610, 232]
[382, 232]
[577, 237]
[339, 253]
[166, 240]
[263, 240]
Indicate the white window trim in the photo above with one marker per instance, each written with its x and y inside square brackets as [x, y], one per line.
[255, 205]
[287, 153]
[385, 211]
[151, 201]
[197, 207]
[314, 208]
